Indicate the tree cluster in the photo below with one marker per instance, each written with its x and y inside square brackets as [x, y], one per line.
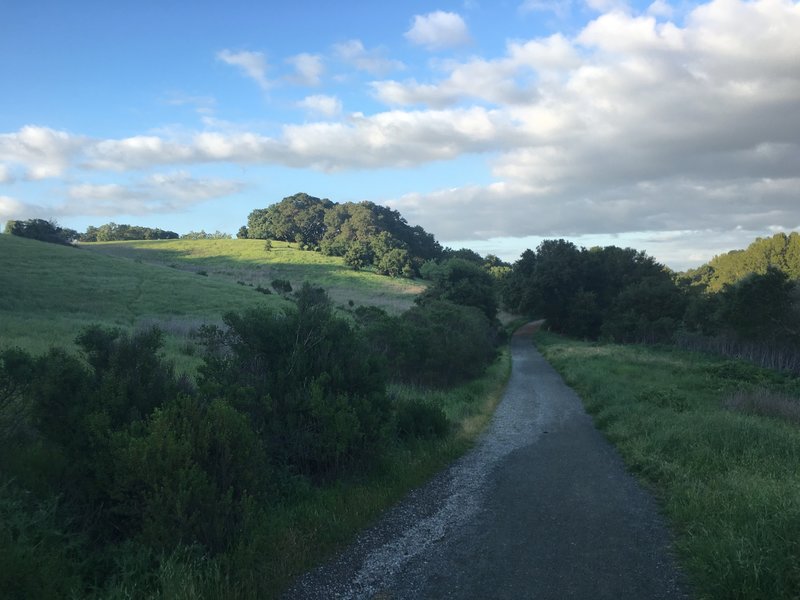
[618, 293]
[780, 251]
[365, 234]
[624, 295]
[42, 230]
[113, 232]
[203, 235]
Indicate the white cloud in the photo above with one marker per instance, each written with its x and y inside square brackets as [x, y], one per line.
[41, 151]
[371, 61]
[159, 193]
[309, 68]
[561, 8]
[660, 8]
[438, 30]
[251, 64]
[327, 106]
[13, 209]
[5, 174]
[503, 81]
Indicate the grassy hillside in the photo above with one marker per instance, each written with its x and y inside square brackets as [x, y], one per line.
[248, 261]
[48, 293]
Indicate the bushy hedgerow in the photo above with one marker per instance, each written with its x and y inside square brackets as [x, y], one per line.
[437, 343]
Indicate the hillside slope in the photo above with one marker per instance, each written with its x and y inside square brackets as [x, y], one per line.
[248, 262]
[48, 293]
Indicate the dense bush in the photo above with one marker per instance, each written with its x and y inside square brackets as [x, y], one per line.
[462, 282]
[305, 379]
[616, 292]
[437, 343]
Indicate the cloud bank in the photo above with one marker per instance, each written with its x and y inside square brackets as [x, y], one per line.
[634, 123]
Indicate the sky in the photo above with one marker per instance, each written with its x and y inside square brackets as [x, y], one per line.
[668, 126]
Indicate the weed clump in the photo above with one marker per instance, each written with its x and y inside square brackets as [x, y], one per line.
[765, 403]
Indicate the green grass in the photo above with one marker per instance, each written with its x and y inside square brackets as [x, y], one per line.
[728, 481]
[48, 293]
[247, 261]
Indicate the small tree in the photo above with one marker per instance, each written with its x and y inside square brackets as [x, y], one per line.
[267, 245]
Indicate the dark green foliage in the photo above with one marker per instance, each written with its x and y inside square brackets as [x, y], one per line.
[282, 286]
[111, 232]
[44, 231]
[306, 381]
[437, 343]
[762, 307]
[461, 282]
[38, 559]
[243, 233]
[189, 475]
[298, 218]
[365, 234]
[464, 254]
[202, 235]
[649, 310]
[130, 377]
[621, 293]
[421, 420]
[781, 252]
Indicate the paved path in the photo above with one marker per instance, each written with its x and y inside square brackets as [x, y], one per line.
[541, 508]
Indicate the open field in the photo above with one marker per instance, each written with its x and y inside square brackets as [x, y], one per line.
[248, 262]
[48, 293]
[726, 476]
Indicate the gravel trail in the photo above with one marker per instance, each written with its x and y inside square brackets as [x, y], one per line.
[540, 508]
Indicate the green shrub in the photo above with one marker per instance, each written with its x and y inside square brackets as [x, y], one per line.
[305, 379]
[421, 420]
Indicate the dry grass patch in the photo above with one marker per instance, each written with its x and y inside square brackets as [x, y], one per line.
[765, 403]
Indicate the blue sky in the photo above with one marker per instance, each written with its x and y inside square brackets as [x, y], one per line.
[670, 127]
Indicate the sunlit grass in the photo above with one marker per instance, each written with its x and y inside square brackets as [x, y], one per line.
[248, 261]
[729, 482]
[49, 293]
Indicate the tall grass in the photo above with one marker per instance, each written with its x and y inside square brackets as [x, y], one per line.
[770, 356]
[728, 481]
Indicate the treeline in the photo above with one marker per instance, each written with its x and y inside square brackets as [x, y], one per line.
[49, 231]
[112, 232]
[42, 230]
[780, 251]
[626, 296]
[364, 234]
[113, 468]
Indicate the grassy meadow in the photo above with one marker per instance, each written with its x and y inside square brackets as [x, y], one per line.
[249, 262]
[719, 444]
[49, 293]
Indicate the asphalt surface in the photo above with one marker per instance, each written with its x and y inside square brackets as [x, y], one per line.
[541, 508]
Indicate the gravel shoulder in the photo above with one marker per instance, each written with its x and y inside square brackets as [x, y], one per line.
[541, 507]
